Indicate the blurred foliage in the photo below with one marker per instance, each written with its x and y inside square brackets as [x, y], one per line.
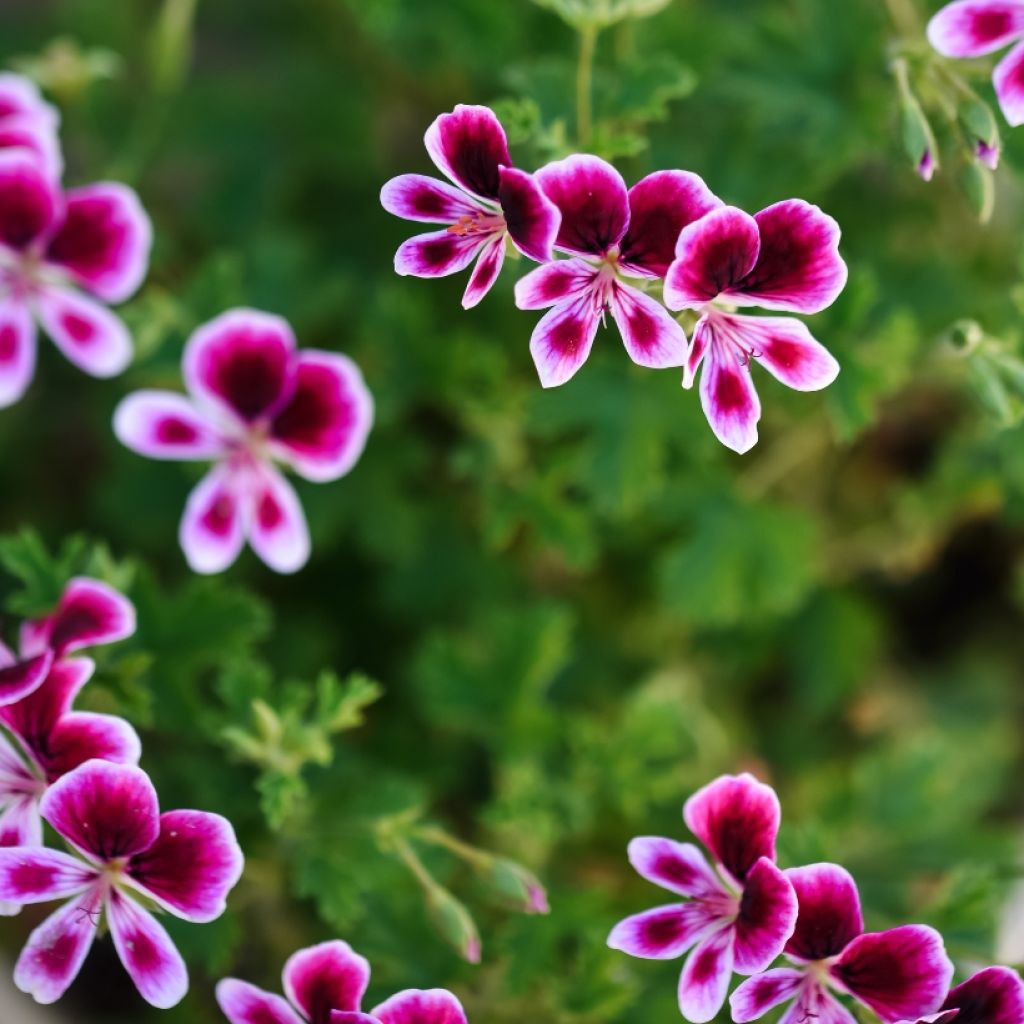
[578, 605]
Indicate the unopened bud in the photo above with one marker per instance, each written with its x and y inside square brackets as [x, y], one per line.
[512, 883]
[453, 922]
[918, 137]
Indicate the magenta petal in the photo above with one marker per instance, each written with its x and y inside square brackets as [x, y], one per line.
[992, 996]
[737, 819]
[147, 952]
[21, 679]
[591, 197]
[56, 950]
[165, 425]
[554, 283]
[703, 335]
[104, 240]
[900, 974]
[705, 979]
[470, 147]
[20, 824]
[30, 205]
[24, 131]
[486, 271]
[660, 206]
[972, 28]
[89, 335]
[243, 1003]
[562, 340]
[36, 875]
[417, 197]
[352, 1017]
[330, 976]
[212, 531]
[278, 532]
[438, 254]
[241, 361]
[83, 736]
[816, 1003]
[193, 865]
[757, 995]
[664, 933]
[531, 218]
[416, 1006]
[712, 255]
[651, 336]
[20, 96]
[728, 398]
[105, 810]
[17, 350]
[785, 347]
[830, 915]
[33, 719]
[1009, 82]
[90, 613]
[768, 912]
[678, 867]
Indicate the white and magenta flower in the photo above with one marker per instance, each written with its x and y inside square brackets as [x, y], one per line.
[738, 915]
[901, 973]
[254, 400]
[618, 241]
[128, 855]
[973, 28]
[325, 984]
[786, 258]
[60, 252]
[492, 201]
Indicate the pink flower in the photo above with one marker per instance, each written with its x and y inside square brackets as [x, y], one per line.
[325, 984]
[786, 257]
[54, 248]
[619, 241]
[253, 401]
[901, 973]
[492, 201]
[129, 854]
[973, 28]
[739, 914]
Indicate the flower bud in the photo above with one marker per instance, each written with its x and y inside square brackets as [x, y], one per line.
[512, 883]
[982, 129]
[453, 922]
[918, 137]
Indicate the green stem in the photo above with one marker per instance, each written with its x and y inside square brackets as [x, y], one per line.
[437, 836]
[585, 84]
[409, 857]
[905, 17]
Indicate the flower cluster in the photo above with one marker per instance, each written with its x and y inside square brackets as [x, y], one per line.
[79, 773]
[64, 253]
[742, 913]
[669, 229]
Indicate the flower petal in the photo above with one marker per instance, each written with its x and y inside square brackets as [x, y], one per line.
[437, 253]
[243, 1003]
[1009, 82]
[470, 147]
[20, 824]
[89, 335]
[972, 28]
[817, 1004]
[900, 974]
[486, 271]
[352, 1017]
[757, 995]
[703, 335]
[212, 531]
[278, 532]
[83, 736]
[30, 205]
[20, 96]
[330, 976]
[17, 350]
[90, 613]
[30, 874]
[712, 255]
[562, 339]
[992, 996]
[768, 912]
[554, 283]
[417, 197]
[531, 218]
[737, 819]
[243, 362]
[165, 425]
[56, 950]
[729, 400]
[193, 865]
[147, 952]
[660, 206]
[33, 718]
[104, 240]
[416, 1006]
[651, 335]
[591, 197]
[664, 933]
[106, 810]
[830, 916]
[19, 680]
[26, 131]
[705, 979]
[678, 867]
[786, 349]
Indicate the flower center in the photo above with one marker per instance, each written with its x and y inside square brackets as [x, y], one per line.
[480, 223]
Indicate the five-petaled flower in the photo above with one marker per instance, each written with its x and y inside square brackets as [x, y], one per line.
[787, 258]
[738, 917]
[618, 240]
[493, 201]
[184, 862]
[325, 984]
[973, 28]
[253, 400]
[900, 973]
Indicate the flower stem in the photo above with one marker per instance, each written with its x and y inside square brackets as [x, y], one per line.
[585, 84]
[438, 837]
[905, 17]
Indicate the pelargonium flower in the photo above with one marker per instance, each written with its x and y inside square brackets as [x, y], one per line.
[973, 28]
[738, 915]
[325, 984]
[129, 855]
[786, 257]
[900, 973]
[59, 253]
[492, 201]
[618, 240]
[254, 400]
